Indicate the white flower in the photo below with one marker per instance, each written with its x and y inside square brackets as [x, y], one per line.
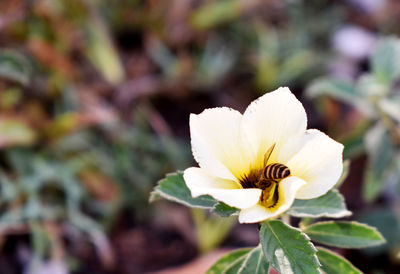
[231, 150]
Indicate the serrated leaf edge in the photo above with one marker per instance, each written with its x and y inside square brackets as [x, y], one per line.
[351, 222]
[248, 249]
[238, 260]
[156, 190]
[248, 257]
[303, 234]
[343, 213]
[154, 196]
[338, 255]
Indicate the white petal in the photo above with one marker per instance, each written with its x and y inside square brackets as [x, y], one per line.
[217, 143]
[276, 117]
[230, 192]
[319, 162]
[287, 192]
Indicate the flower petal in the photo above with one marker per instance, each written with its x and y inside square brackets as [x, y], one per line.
[287, 192]
[319, 162]
[217, 143]
[275, 118]
[230, 192]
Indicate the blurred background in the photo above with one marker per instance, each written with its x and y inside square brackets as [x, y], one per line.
[95, 97]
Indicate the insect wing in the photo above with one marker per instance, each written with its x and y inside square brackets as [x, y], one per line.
[268, 154]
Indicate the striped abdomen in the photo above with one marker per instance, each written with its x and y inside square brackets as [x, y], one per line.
[276, 171]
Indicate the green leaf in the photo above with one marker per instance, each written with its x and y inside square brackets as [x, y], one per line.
[224, 210]
[381, 152]
[216, 13]
[267, 58]
[332, 263]
[10, 97]
[354, 141]
[329, 205]
[338, 89]
[387, 223]
[372, 185]
[101, 51]
[296, 65]
[288, 249]
[229, 263]
[385, 60]
[371, 87]
[173, 188]
[255, 262]
[14, 66]
[16, 132]
[211, 229]
[344, 234]
[40, 240]
[391, 106]
[8, 189]
[341, 90]
[243, 261]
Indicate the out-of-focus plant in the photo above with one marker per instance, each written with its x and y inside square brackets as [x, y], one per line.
[239, 40]
[211, 230]
[133, 158]
[59, 179]
[81, 182]
[37, 192]
[375, 95]
[14, 66]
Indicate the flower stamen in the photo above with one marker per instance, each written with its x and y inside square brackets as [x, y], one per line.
[270, 196]
[268, 180]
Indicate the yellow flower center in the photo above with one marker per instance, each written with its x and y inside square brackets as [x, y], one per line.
[268, 180]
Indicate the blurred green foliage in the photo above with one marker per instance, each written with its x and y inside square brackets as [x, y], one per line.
[375, 95]
[95, 97]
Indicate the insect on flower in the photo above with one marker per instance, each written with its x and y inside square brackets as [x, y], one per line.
[263, 159]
